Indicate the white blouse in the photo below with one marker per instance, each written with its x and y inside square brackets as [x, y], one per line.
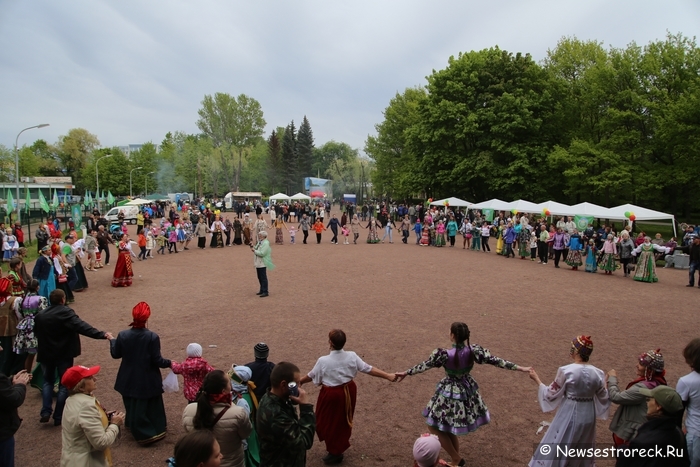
[337, 368]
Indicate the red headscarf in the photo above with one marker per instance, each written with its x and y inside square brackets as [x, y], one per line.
[141, 313]
[5, 288]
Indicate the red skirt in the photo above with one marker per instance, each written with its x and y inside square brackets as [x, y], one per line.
[122, 271]
[335, 409]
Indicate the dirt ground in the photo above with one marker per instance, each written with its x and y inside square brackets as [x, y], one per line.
[396, 303]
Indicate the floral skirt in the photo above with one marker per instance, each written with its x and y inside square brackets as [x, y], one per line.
[607, 262]
[645, 271]
[440, 239]
[372, 237]
[456, 407]
[122, 271]
[574, 258]
[25, 341]
[279, 238]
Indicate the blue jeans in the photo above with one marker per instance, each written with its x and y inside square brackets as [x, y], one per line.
[262, 279]
[693, 442]
[49, 372]
[694, 266]
[387, 231]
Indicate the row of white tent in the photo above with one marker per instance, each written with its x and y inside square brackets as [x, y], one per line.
[558, 209]
[283, 197]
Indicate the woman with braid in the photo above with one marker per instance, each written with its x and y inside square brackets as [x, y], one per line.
[457, 408]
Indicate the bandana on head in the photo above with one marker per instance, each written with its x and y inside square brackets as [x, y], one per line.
[583, 345]
[140, 313]
[652, 360]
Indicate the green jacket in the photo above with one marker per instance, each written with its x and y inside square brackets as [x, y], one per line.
[264, 252]
[283, 436]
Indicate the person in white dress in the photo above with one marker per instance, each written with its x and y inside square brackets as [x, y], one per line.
[580, 393]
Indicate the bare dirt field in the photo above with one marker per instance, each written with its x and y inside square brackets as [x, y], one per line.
[396, 303]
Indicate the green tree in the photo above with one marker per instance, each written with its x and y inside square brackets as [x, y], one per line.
[113, 172]
[275, 168]
[231, 124]
[305, 149]
[7, 164]
[395, 173]
[73, 151]
[290, 159]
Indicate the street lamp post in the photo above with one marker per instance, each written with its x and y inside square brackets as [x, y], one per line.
[17, 163]
[97, 179]
[131, 194]
[146, 178]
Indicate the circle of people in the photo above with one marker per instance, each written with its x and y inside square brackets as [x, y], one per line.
[258, 414]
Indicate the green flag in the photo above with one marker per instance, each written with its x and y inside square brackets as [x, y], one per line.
[27, 201]
[86, 200]
[65, 198]
[488, 214]
[103, 196]
[582, 222]
[10, 201]
[110, 198]
[54, 200]
[89, 195]
[42, 202]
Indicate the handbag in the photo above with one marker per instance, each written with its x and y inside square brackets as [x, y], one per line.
[62, 278]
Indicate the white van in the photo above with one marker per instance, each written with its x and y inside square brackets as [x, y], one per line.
[130, 213]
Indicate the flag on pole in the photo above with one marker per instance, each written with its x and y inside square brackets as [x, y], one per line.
[86, 200]
[42, 202]
[103, 196]
[27, 201]
[10, 201]
[65, 198]
[582, 222]
[110, 198]
[89, 195]
[54, 201]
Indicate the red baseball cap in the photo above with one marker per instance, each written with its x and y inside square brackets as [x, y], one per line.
[75, 374]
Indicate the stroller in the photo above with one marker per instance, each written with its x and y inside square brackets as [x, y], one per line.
[115, 231]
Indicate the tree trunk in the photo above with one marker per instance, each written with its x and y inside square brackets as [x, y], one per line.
[240, 167]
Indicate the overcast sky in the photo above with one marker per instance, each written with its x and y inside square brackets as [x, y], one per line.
[130, 71]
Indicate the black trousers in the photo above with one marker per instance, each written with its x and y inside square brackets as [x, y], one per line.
[533, 253]
[306, 235]
[335, 236]
[485, 243]
[451, 237]
[228, 237]
[557, 256]
[201, 242]
[542, 250]
[318, 238]
[262, 278]
[105, 255]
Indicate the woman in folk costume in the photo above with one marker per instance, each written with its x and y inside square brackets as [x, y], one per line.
[645, 270]
[632, 412]
[259, 226]
[44, 272]
[123, 271]
[440, 231]
[61, 271]
[579, 392]
[425, 234]
[26, 308]
[279, 224]
[609, 250]
[591, 253]
[247, 229]
[242, 389]
[500, 242]
[10, 245]
[138, 380]
[217, 237]
[524, 238]
[373, 225]
[574, 258]
[456, 408]
[336, 402]
[237, 232]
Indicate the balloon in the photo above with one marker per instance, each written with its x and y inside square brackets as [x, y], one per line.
[544, 211]
[514, 211]
[627, 214]
[447, 203]
[547, 212]
[430, 200]
[633, 217]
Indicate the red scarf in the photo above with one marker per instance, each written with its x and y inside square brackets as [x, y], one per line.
[658, 378]
[224, 398]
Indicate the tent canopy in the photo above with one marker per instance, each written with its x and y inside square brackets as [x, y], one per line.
[495, 204]
[157, 197]
[280, 196]
[593, 210]
[300, 196]
[555, 209]
[137, 202]
[640, 213]
[521, 205]
[452, 201]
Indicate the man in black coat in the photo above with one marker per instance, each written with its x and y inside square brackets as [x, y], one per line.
[57, 331]
[12, 394]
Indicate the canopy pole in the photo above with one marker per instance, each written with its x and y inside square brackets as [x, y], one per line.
[674, 228]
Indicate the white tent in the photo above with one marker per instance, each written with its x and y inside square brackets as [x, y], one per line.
[523, 206]
[555, 209]
[644, 214]
[453, 202]
[495, 204]
[279, 197]
[593, 210]
[137, 202]
[300, 196]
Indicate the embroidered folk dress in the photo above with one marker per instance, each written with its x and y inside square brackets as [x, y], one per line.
[646, 265]
[457, 407]
[580, 393]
